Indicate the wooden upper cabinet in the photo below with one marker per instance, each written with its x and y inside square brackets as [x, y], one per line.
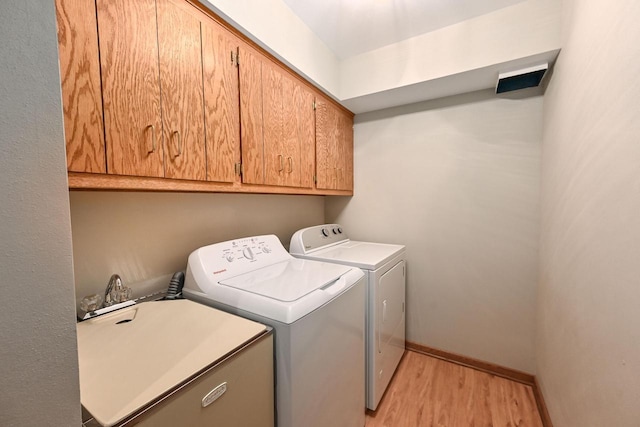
[131, 87]
[80, 75]
[180, 56]
[334, 147]
[251, 123]
[161, 89]
[221, 102]
[288, 129]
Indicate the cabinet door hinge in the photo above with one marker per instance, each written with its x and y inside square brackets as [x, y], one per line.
[314, 105]
[238, 57]
[315, 179]
[235, 58]
[238, 168]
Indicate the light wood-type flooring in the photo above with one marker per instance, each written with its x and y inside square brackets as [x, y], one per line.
[427, 391]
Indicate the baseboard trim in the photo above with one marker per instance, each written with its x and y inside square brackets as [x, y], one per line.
[490, 368]
[480, 365]
[542, 406]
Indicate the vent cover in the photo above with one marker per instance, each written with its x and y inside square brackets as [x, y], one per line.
[521, 79]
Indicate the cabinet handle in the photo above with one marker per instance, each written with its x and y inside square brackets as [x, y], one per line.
[153, 139]
[179, 142]
[281, 159]
[290, 164]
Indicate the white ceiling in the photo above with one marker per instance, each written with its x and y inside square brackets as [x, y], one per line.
[351, 27]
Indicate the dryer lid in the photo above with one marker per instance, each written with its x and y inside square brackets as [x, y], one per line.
[288, 280]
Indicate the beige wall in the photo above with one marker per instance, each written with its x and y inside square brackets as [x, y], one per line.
[457, 181]
[527, 28]
[588, 341]
[38, 358]
[145, 237]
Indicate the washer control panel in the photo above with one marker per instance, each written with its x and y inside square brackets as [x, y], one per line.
[235, 257]
[246, 250]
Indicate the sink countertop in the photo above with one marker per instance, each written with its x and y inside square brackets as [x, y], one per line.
[131, 357]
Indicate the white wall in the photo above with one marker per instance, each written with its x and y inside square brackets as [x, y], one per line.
[38, 358]
[456, 180]
[514, 32]
[272, 25]
[456, 59]
[144, 237]
[588, 341]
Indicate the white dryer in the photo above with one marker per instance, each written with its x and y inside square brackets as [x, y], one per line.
[384, 267]
[317, 312]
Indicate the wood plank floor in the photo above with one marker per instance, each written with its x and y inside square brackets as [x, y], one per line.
[427, 391]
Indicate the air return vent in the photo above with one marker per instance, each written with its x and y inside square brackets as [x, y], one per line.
[521, 79]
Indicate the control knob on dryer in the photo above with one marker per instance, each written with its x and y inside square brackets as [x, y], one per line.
[325, 232]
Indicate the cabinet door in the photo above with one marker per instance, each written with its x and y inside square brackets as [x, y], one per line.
[334, 147]
[274, 124]
[81, 96]
[251, 125]
[130, 87]
[221, 102]
[290, 146]
[180, 51]
[345, 150]
[326, 145]
[305, 132]
[288, 129]
[248, 401]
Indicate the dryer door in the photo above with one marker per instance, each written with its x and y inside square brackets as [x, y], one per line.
[390, 318]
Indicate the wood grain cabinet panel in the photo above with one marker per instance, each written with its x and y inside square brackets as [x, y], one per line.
[180, 56]
[251, 121]
[81, 91]
[221, 102]
[130, 87]
[345, 144]
[288, 129]
[326, 144]
[273, 122]
[334, 147]
[305, 126]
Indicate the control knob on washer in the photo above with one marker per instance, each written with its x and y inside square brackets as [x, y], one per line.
[325, 232]
[248, 253]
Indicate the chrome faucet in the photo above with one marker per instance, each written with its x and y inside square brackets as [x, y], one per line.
[116, 292]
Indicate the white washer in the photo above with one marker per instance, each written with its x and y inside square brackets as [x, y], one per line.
[317, 312]
[384, 267]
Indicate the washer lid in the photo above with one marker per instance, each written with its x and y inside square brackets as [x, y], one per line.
[365, 255]
[288, 280]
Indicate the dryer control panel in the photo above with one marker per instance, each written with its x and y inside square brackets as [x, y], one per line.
[317, 237]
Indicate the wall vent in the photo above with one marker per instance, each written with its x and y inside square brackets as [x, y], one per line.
[521, 79]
